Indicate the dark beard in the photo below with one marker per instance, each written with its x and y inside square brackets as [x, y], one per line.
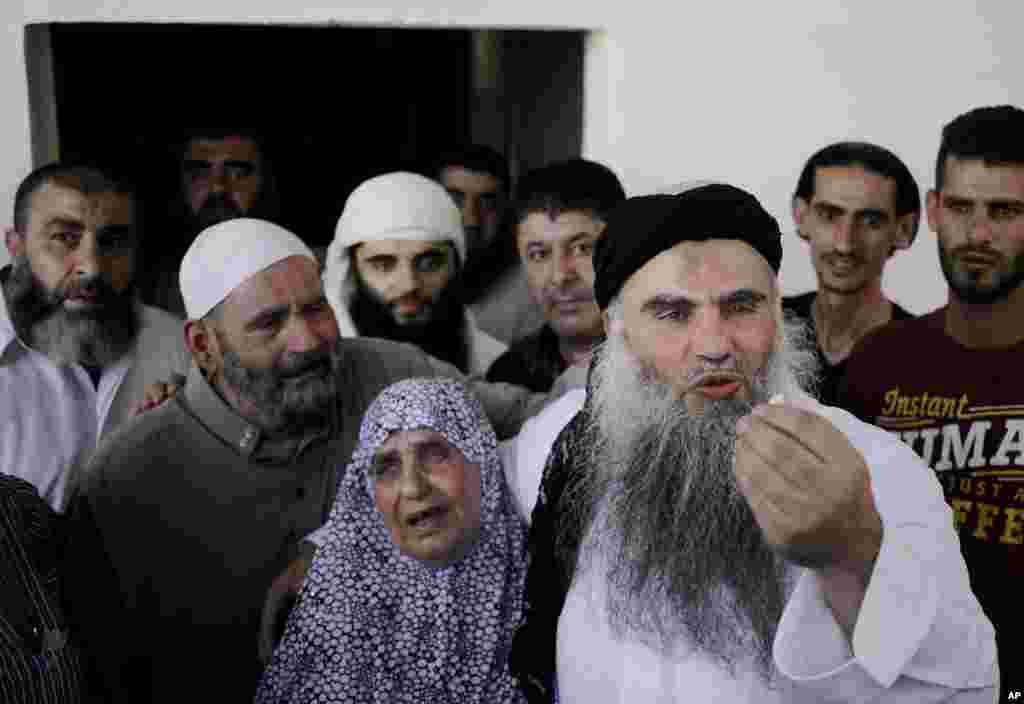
[217, 208]
[285, 403]
[95, 338]
[443, 336]
[967, 289]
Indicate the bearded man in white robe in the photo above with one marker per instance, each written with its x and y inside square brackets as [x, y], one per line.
[705, 530]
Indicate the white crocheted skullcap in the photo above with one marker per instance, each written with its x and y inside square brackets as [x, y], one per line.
[226, 254]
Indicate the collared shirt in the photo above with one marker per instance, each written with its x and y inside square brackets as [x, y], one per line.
[920, 636]
[52, 416]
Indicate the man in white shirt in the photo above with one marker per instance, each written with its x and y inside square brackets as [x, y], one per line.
[76, 346]
[704, 529]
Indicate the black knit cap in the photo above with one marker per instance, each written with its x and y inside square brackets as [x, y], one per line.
[641, 228]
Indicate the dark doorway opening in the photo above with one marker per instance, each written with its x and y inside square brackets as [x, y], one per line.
[337, 104]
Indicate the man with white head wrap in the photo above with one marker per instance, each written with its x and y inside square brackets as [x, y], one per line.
[704, 530]
[202, 501]
[394, 271]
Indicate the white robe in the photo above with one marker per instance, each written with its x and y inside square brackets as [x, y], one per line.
[920, 636]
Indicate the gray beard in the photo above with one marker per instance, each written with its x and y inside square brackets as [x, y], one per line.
[292, 398]
[685, 561]
[96, 339]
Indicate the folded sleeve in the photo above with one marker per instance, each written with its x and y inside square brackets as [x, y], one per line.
[921, 635]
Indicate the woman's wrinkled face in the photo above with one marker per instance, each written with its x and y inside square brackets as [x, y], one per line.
[428, 494]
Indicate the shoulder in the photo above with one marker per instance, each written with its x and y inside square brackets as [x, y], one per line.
[897, 334]
[357, 352]
[162, 337]
[156, 320]
[137, 445]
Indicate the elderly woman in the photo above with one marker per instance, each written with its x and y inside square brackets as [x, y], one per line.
[417, 590]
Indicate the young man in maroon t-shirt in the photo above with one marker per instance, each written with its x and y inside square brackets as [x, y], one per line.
[949, 383]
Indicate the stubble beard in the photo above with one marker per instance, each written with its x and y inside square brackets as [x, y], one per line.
[96, 338]
[967, 288]
[687, 566]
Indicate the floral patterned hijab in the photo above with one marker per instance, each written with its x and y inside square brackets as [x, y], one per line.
[374, 625]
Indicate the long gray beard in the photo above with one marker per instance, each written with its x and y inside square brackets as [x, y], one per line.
[685, 560]
[96, 339]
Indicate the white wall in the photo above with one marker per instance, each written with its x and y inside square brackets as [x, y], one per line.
[742, 91]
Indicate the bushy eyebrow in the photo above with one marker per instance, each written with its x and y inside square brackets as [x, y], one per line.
[63, 222]
[740, 296]
[824, 206]
[577, 237]
[381, 258]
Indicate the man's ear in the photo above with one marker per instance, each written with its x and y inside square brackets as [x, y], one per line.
[202, 341]
[15, 242]
[800, 209]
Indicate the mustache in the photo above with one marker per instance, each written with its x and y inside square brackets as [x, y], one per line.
[218, 201]
[32, 301]
[300, 363]
[982, 252]
[93, 285]
[577, 294]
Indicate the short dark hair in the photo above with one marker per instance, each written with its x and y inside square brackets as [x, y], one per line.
[872, 158]
[88, 179]
[576, 184]
[474, 157]
[994, 135]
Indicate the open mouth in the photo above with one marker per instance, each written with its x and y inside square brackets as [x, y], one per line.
[718, 385]
[428, 518]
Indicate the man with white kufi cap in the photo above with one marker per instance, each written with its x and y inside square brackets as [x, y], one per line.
[201, 502]
[394, 271]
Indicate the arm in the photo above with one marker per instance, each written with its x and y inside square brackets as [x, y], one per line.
[909, 629]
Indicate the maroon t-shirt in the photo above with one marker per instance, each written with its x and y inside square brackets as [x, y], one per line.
[962, 411]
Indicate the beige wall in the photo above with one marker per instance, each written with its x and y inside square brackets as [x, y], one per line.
[742, 91]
